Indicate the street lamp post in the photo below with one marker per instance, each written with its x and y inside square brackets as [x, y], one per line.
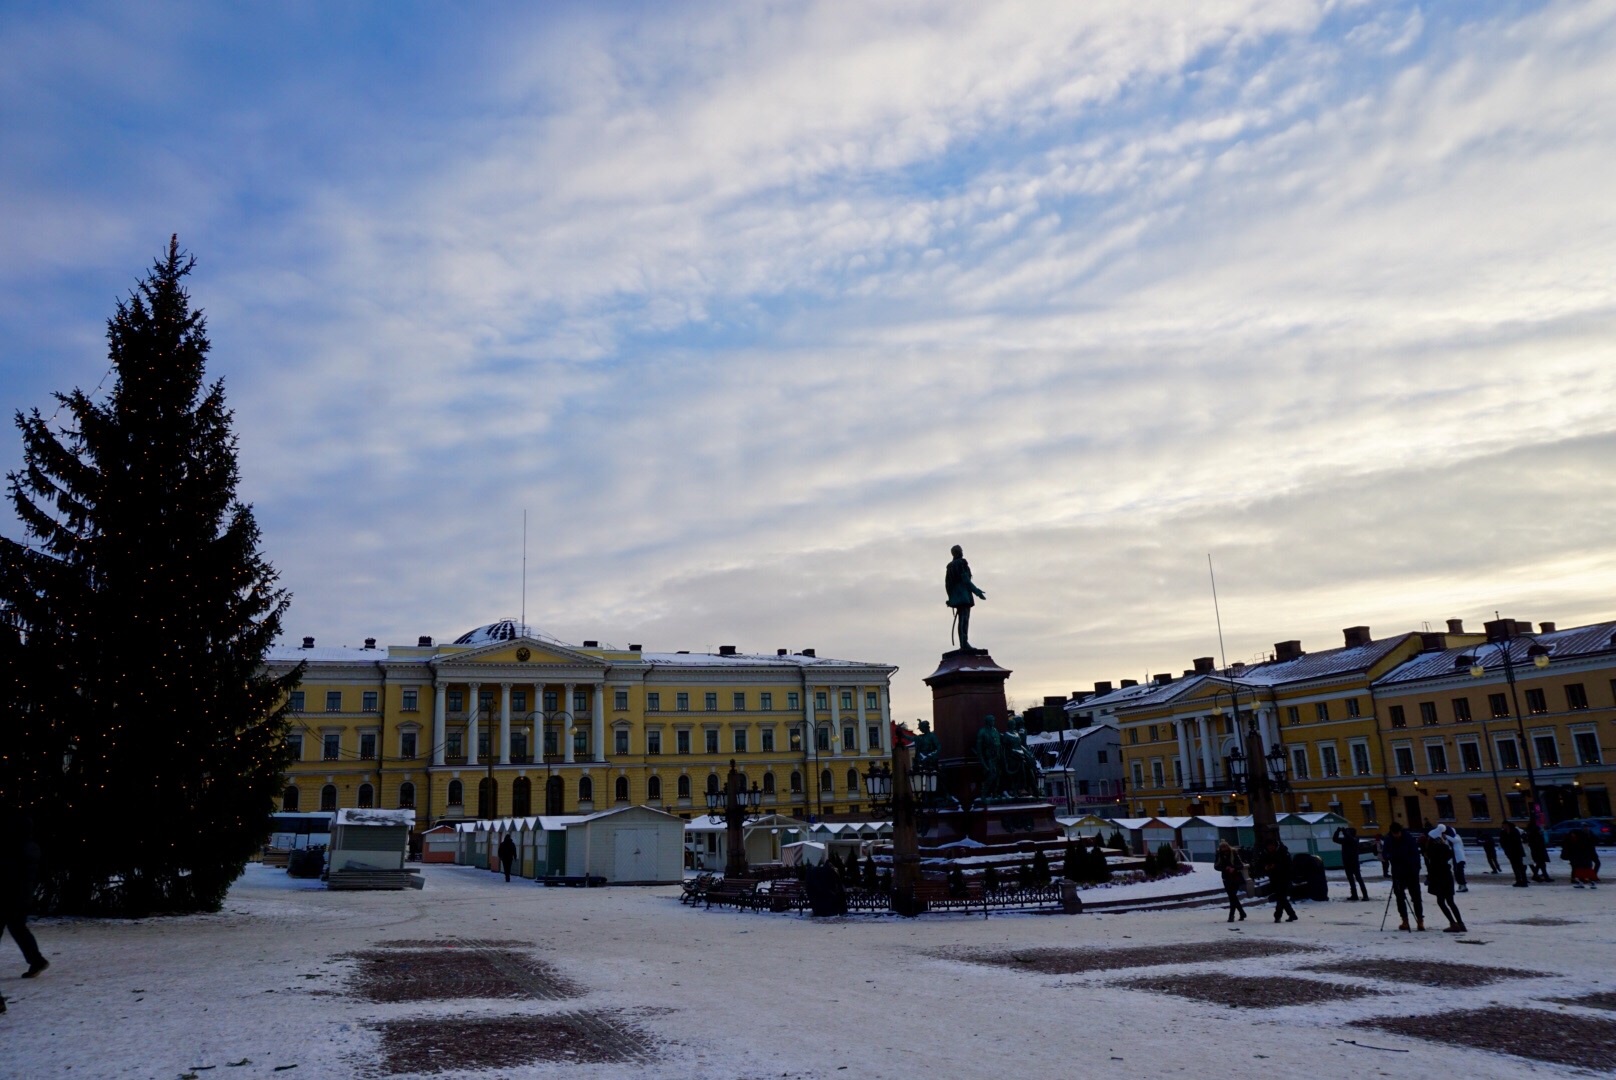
[907, 789]
[731, 806]
[1254, 774]
[561, 716]
[1538, 653]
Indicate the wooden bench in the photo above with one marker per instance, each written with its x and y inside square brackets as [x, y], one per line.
[934, 896]
[738, 894]
[784, 894]
[695, 889]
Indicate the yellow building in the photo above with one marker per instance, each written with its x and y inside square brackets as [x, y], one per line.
[1414, 728]
[1318, 707]
[1467, 734]
[470, 729]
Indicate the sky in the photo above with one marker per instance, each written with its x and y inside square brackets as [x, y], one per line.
[754, 310]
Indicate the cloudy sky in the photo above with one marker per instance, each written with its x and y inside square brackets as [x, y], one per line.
[756, 309]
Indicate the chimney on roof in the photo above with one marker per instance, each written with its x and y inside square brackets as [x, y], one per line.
[591, 644]
[424, 641]
[1498, 629]
[1545, 628]
[634, 648]
[1433, 642]
[1126, 683]
[1054, 702]
[1161, 680]
[726, 650]
[1456, 626]
[1356, 636]
[1203, 665]
[370, 643]
[810, 653]
[1287, 650]
[779, 652]
[308, 643]
[1101, 688]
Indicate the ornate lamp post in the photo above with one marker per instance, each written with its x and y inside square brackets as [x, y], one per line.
[731, 806]
[906, 787]
[1538, 653]
[1252, 773]
[561, 717]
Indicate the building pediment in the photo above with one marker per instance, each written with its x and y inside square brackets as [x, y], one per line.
[521, 652]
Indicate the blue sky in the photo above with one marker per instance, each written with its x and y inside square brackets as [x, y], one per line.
[756, 309]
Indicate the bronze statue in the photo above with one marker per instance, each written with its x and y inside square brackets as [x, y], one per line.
[928, 748]
[957, 580]
[990, 755]
[1020, 768]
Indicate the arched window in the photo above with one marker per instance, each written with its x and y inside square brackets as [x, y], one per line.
[796, 782]
[622, 789]
[521, 797]
[328, 797]
[487, 797]
[684, 788]
[457, 793]
[852, 781]
[289, 800]
[768, 783]
[555, 796]
[367, 796]
[827, 783]
[406, 796]
[586, 789]
[653, 789]
[712, 783]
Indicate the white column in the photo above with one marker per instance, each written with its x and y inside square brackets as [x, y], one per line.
[1209, 773]
[566, 734]
[598, 730]
[504, 723]
[886, 718]
[1184, 753]
[439, 724]
[863, 721]
[471, 722]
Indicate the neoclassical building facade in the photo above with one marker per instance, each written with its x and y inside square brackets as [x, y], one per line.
[505, 721]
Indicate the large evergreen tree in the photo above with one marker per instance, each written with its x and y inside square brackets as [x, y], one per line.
[139, 726]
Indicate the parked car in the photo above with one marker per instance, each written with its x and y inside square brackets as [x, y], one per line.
[1602, 828]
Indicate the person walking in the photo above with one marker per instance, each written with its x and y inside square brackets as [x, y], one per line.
[19, 873]
[1489, 847]
[507, 855]
[1347, 837]
[1514, 845]
[1275, 863]
[1227, 862]
[1440, 876]
[1538, 845]
[1580, 852]
[1457, 845]
[1403, 852]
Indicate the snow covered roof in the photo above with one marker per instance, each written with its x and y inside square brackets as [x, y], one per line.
[789, 660]
[331, 654]
[1562, 645]
[1322, 665]
[376, 817]
[502, 630]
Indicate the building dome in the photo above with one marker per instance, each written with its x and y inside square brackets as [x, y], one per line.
[503, 630]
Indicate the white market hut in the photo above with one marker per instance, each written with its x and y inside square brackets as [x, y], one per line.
[440, 844]
[1203, 832]
[370, 839]
[850, 839]
[628, 845]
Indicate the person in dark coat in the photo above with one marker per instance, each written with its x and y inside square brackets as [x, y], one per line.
[1275, 864]
[507, 855]
[1347, 837]
[1403, 852]
[1227, 862]
[19, 873]
[1538, 845]
[1440, 877]
[1580, 852]
[1489, 846]
[1514, 845]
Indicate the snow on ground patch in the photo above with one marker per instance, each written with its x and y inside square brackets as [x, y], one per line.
[1559, 1037]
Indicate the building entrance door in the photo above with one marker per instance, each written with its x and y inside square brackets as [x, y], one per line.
[1413, 817]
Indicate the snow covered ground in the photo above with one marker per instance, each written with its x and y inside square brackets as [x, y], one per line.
[263, 986]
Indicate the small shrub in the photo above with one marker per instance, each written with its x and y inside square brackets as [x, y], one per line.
[1118, 842]
[956, 881]
[1166, 859]
[990, 878]
[1040, 868]
[1152, 867]
[1074, 863]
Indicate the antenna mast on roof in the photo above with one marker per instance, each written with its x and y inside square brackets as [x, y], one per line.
[1222, 653]
[524, 571]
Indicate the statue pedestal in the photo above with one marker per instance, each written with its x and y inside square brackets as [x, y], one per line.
[967, 687]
